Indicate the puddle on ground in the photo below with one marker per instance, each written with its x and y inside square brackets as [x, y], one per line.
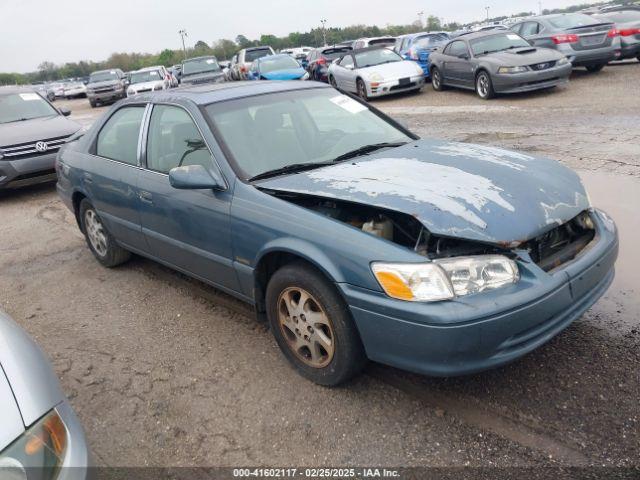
[619, 196]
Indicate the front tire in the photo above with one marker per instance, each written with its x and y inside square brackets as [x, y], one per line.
[92, 103]
[436, 79]
[362, 90]
[313, 326]
[332, 81]
[484, 86]
[595, 68]
[101, 243]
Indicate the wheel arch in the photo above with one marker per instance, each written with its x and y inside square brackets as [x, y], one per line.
[76, 199]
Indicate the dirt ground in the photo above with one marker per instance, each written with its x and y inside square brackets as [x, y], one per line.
[163, 370]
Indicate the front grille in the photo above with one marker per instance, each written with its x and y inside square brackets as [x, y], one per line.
[104, 89]
[14, 152]
[543, 66]
[402, 87]
[561, 244]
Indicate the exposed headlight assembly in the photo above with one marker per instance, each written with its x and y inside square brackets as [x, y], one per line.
[562, 61]
[512, 69]
[376, 77]
[41, 449]
[445, 279]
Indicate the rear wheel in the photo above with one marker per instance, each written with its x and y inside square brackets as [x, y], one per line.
[313, 326]
[92, 103]
[100, 241]
[595, 68]
[362, 89]
[484, 86]
[436, 79]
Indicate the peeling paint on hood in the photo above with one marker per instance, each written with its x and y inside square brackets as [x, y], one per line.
[455, 189]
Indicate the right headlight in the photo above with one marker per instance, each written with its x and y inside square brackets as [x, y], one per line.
[40, 449]
[512, 69]
[445, 279]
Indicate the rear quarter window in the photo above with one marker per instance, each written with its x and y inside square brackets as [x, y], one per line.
[118, 138]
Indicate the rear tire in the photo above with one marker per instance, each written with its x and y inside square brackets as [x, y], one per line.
[92, 103]
[362, 90]
[484, 86]
[101, 243]
[595, 68]
[436, 80]
[313, 326]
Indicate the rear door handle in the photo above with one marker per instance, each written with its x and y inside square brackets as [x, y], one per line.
[88, 178]
[145, 197]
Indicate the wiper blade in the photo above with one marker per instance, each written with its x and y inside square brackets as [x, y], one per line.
[293, 168]
[367, 149]
[17, 120]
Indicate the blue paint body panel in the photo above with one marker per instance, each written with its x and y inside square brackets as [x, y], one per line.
[456, 190]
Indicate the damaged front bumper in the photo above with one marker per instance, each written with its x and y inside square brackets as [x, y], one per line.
[482, 331]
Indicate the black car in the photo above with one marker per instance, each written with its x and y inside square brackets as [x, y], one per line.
[31, 133]
[318, 61]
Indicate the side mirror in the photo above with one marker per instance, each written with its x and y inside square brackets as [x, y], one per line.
[464, 56]
[64, 111]
[195, 177]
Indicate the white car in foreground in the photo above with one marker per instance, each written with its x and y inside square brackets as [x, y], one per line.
[374, 72]
[148, 80]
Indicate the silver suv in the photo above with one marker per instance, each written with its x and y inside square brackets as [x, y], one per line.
[584, 40]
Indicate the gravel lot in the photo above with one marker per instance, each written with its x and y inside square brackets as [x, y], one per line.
[164, 370]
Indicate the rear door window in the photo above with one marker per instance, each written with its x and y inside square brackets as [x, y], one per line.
[530, 28]
[174, 140]
[118, 138]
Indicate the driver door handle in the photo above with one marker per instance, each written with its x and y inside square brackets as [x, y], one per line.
[145, 197]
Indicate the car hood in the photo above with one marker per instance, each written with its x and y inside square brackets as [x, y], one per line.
[205, 77]
[36, 129]
[455, 189]
[288, 74]
[523, 56]
[405, 68]
[144, 85]
[28, 371]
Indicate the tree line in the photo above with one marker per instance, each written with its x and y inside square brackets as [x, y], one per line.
[224, 49]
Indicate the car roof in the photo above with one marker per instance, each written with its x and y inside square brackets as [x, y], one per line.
[148, 69]
[199, 58]
[8, 90]
[219, 92]
[368, 49]
[481, 34]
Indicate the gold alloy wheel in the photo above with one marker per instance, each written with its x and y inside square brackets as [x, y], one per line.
[306, 327]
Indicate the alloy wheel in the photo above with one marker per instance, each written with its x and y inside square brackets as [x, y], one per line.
[95, 232]
[435, 79]
[306, 327]
[482, 85]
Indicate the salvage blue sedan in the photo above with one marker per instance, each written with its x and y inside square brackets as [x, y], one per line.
[354, 238]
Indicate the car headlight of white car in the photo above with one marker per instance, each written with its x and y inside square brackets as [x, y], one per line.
[445, 279]
[305, 76]
[376, 77]
[562, 61]
[131, 91]
[512, 69]
[41, 449]
[159, 86]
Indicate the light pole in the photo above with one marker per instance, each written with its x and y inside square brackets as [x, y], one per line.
[540, 7]
[324, 31]
[183, 33]
[487, 9]
[420, 14]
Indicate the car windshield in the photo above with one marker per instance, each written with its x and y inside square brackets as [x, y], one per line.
[370, 58]
[103, 76]
[272, 64]
[309, 126]
[573, 20]
[251, 55]
[17, 107]
[148, 76]
[430, 41]
[497, 43]
[200, 65]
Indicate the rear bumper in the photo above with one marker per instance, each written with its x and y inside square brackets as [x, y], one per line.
[593, 57]
[529, 81]
[27, 171]
[486, 330]
[630, 51]
[107, 96]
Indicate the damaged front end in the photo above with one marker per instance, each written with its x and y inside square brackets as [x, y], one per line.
[458, 267]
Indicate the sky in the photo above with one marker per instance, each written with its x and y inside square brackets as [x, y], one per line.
[71, 30]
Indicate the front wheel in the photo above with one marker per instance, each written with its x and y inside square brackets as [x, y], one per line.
[436, 79]
[332, 81]
[100, 241]
[362, 90]
[484, 86]
[313, 326]
[595, 68]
